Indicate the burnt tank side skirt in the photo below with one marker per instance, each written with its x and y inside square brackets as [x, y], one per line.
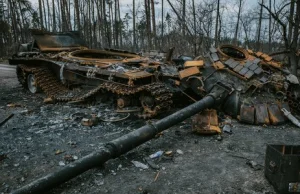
[74, 67]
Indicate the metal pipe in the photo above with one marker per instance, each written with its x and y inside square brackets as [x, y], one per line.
[117, 147]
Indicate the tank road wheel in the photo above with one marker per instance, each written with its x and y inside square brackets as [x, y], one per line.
[32, 84]
[148, 104]
[22, 77]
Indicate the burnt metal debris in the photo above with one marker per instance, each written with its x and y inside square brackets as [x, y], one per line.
[57, 62]
[247, 85]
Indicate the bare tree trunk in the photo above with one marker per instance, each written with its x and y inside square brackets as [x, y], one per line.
[183, 17]
[68, 11]
[63, 15]
[237, 23]
[217, 23]
[116, 24]
[59, 15]
[294, 45]
[153, 22]
[21, 22]
[100, 26]
[195, 30]
[94, 25]
[162, 23]
[291, 17]
[53, 16]
[41, 14]
[45, 16]
[270, 30]
[48, 10]
[120, 30]
[133, 24]
[259, 26]
[148, 22]
[77, 15]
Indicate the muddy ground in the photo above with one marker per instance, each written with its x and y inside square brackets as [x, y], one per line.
[41, 138]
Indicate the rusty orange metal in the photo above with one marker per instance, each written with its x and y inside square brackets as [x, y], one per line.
[258, 54]
[261, 114]
[275, 114]
[247, 114]
[219, 65]
[199, 63]
[266, 57]
[188, 72]
[206, 122]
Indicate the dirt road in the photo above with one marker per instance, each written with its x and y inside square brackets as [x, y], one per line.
[41, 138]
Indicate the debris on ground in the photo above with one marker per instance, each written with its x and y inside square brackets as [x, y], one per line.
[57, 152]
[254, 165]
[139, 165]
[4, 120]
[178, 151]
[206, 122]
[156, 154]
[151, 163]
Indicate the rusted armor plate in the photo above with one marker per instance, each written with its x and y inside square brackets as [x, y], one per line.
[247, 114]
[244, 71]
[199, 63]
[219, 65]
[238, 68]
[206, 122]
[229, 61]
[248, 64]
[258, 54]
[261, 114]
[258, 71]
[275, 114]
[255, 61]
[253, 67]
[188, 72]
[234, 64]
[249, 74]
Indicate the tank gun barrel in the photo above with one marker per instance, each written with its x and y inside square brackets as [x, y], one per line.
[122, 144]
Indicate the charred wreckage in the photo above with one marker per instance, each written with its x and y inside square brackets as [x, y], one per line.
[247, 85]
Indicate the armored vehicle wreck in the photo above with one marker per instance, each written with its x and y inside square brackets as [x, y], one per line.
[259, 86]
[56, 62]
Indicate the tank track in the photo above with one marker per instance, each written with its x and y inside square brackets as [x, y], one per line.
[56, 90]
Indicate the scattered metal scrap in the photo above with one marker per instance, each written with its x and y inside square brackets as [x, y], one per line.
[57, 62]
[2, 122]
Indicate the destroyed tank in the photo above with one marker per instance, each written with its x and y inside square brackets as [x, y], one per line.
[248, 85]
[259, 86]
[58, 63]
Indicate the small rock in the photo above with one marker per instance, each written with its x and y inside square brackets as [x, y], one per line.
[28, 138]
[61, 163]
[139, 165]
[179, 152]
[99, 182]
[113, 173]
